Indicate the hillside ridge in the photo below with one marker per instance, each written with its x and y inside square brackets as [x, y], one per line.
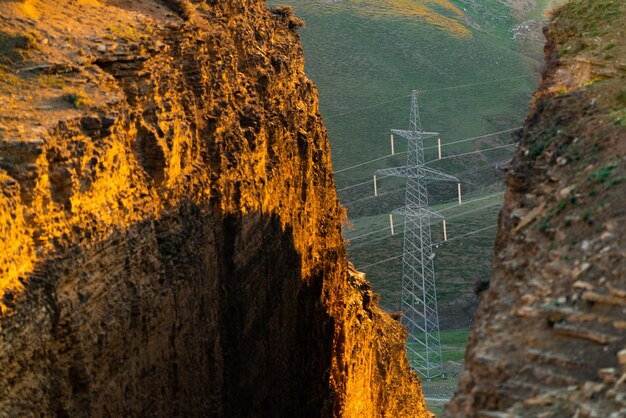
[548, 338]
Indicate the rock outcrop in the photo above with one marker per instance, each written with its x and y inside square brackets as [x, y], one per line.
[549, 335]
[171, 237]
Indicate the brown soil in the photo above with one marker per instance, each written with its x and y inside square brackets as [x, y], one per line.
[549, 334]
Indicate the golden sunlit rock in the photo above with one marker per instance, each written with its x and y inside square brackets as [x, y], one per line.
[171, 236]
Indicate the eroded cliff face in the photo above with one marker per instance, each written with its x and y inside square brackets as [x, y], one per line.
[171, 238]
[549, 336]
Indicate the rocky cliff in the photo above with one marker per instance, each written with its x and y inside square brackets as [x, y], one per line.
[171, 238]
[549, 336]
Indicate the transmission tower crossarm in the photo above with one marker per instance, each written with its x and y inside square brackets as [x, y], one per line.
[424, 172]
[414, 134]
[438, 175]
[419, 212]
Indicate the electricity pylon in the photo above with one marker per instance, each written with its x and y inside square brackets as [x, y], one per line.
[419, 294]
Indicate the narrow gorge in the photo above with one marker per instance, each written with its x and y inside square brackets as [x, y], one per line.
[171, 238]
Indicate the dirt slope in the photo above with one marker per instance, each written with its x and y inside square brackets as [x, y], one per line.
[549, 337]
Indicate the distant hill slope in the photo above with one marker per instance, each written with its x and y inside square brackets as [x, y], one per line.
[365, 58]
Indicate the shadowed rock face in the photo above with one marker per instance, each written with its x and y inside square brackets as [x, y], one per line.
[549, 335]
[171, 233]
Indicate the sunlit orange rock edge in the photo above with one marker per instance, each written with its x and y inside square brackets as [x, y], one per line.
[84, 190]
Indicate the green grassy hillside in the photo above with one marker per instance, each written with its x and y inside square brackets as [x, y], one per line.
[366, 57]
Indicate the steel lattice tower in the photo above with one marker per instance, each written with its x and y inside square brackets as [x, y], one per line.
[419, 294]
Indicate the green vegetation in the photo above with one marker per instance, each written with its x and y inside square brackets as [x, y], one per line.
[365, 63]
[365, 57]
[453, 344]
[127, 32]
[544, 225]
[78, 98]
[587, 216]
[8, 80]
[459, 262]
[51, 81]
[561, 206]
[602, 174]
[582, 20]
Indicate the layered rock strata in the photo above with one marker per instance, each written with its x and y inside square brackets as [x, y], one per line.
[171, 237]
[549, 335]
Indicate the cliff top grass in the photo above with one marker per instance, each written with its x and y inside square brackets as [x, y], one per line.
[44, 50]
[590, 38]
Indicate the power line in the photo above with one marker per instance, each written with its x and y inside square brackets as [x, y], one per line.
[438, 243]
[432, 147]
[474, 138]
[472, 152]
[355, 185]
[369, 233]
[473, 170]
[352, 202]
[367, 162]
[401, 233]
[365, 108]
[468, 234]
[379, 262]
[472, 210]
[471, 201]
[475, 84]
[521, 54]
[460, 86]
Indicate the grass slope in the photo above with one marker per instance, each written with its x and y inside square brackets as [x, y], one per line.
[366, 60]
[366, 57]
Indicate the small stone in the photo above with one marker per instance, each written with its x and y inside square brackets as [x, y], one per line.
[615, 291]
[579, 270]
[592, 388]
[102, 48]
[619, 324]
[527, 299]
[585, 245]
[583, 285]
[566, 191]
[561, 161]
[607, 375]
[621, 356]
[607, 236]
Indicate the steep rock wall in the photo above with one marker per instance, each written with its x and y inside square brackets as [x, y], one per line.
[171, 233]
[549, 336]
